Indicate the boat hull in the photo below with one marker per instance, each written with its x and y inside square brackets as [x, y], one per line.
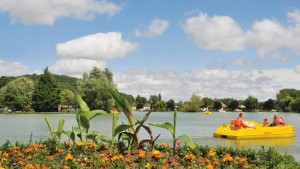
[227, 131]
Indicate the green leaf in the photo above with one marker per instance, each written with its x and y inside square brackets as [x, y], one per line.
[79, 130]
[70, 134]
[84, 108]
[121, 128]
[95, 113]
[60, 124]
[85, 122]
[166, 125]
[49, 126]
[188, 141]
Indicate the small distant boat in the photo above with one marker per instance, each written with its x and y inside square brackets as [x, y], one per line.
[231, 132]
[207, 112]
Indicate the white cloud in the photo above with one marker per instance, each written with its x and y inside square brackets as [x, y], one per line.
[215, 33]
[224, 33]
[46, 12]
[207, 83]
[100, 46]
[13, 69]
[80, 55]
[155, 29]
[75, 67]
[297, 69]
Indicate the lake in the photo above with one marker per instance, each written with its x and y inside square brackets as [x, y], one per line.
[200, 127]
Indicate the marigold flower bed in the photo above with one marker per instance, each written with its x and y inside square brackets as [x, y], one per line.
[46, 155]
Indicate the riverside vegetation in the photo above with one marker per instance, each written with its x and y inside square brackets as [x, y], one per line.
[124, 149]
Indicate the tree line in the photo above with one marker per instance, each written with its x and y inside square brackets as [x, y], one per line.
[43, 93]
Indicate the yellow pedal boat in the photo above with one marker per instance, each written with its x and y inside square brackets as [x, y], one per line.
[230, 132]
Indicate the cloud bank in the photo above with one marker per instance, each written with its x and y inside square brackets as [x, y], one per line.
[46, 12]
[13, 69]
[225, 34]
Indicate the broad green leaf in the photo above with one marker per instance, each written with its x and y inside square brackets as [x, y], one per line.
[121, 128]
[95, 113]
[85, 122]
[60, 124]
[187, 140]
[79, 130]
[49, 126]
[70, 134]
[165, 125]
[84, 108]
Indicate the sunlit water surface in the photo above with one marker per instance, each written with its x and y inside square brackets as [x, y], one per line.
[200, 127]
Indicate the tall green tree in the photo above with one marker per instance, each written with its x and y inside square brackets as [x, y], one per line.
[269, 104]
[46, 93]
[67, 97]
[251, 103]
[160, 106]
[234, 104]
[207, 102]
[18, 93]
[171, 105]
[94, 89]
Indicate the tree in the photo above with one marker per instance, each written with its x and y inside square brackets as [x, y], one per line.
[171, 105]
[234, 104]
[152, 100]
[217, 105]
[193, 105]
[18, 93]
[269, 104]
[295, 105]
[46, 94]
[94, 89]
[207, 102]
[159, 97]
[160, 106]
[251, 103]
[67, 97]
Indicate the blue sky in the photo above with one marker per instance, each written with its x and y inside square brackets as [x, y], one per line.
[217, 49]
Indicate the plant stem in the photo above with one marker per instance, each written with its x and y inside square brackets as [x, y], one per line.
[174, 134]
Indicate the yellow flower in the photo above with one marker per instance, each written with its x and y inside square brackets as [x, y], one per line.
[212, 152]
[69, 157]
[79, 143]
[29, 157]
[1, 167]
[142, 153]
[66, 167]
[114, 111]
[156, 154]
[147, 165]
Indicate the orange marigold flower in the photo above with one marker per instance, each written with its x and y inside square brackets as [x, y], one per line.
[28, 150]
[0, 152]
[227, 157]
[178, 143]
[29, 166]
[69, 144]
[60, 150]
[3, 159]
[69, 157]
[164, 145]
[20, 162]
[50, 158]
[243, 159]
[209, 166]
[20, 155]
[156, 154]
[214, 163]
[190, 156]
[142, 153]
[37, 165]
[16, 148]
[212, 152]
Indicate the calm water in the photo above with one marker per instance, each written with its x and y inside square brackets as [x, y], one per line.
[18, 127]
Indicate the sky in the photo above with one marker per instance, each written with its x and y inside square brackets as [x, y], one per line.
[217, 49]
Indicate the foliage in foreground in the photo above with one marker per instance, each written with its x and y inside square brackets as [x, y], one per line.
[90, 155]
